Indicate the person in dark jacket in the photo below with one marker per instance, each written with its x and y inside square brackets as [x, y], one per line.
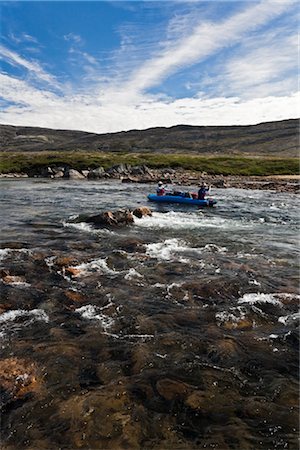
[204, 189]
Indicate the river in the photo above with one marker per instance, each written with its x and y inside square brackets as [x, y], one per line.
[179, 331]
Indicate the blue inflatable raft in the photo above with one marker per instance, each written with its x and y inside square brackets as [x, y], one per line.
[180, 199]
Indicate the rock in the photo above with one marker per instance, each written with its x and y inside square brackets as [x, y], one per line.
[65, 261]
[119, 169]
[18, 377]
[140, 170]
[58, 169]
[129, 180]
[74, 296]
[132, 245]
[85, 173]
[142, 211]
[73, 271]
[220, 184]
[59, 174]
[112, 218]
[95, 174]
[13, 279]
[73, 174]
[8, 278]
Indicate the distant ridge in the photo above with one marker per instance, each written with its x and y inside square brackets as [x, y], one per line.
[279, 138]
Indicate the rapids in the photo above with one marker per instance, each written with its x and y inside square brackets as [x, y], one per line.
[180, 331]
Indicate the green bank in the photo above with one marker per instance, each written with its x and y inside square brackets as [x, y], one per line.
[227, 165]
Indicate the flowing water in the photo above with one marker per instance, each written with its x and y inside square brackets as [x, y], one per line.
[179, 331]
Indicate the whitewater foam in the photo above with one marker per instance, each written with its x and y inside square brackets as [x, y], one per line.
[132, 274]
[4, 252]
[260, 298]
[91, 312]
[14, 314]
[290, 319]
[98, 265]
[170, 250]
[180, 220]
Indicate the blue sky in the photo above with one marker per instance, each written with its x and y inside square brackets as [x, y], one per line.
[107, 66]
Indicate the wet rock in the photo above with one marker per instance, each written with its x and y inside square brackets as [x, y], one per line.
[65, 261]
[142, 211]
[74, 296]
[8, 278]
[18, 377]
[223, 350]
[112, 218]
[73, 174]
[73, 271]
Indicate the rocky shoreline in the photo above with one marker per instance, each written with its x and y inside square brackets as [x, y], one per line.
[143, 174]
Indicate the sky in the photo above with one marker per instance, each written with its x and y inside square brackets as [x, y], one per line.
[107, 66]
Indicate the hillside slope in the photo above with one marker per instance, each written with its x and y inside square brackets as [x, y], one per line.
[266, 139]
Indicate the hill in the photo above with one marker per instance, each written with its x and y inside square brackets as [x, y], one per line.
[279, 139]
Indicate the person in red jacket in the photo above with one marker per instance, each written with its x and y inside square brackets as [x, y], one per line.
[161, 189]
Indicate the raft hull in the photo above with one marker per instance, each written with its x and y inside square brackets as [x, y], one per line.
[180, 199]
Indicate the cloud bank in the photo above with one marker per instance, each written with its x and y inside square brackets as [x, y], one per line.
[252, 78]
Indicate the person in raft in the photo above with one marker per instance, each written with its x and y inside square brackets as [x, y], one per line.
[204, 189]
[161, 189]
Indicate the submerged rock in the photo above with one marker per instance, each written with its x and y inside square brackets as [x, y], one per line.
[18, 378]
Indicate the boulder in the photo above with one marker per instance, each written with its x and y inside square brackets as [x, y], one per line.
[119, 169]
[112, 218]
[96, 174]
[73, 174]
[142, 211]
[59, 174]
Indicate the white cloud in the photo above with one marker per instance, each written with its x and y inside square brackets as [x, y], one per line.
[100, 115]
[121, 102]
[73, 37]
[203, 41]
[23, 37]
[33, 67]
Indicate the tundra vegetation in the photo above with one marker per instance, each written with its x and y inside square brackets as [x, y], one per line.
[19, 162]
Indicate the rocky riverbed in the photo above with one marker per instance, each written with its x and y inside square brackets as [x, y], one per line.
[177, 329]
[143, 174]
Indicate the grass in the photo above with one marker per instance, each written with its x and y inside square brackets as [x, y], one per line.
[226, 165]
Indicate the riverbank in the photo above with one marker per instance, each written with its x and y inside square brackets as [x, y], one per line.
[179, 177]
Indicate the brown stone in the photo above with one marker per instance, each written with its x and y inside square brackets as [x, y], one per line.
[142, 211]
[66, 261]
[112, 218]
[10, 279]
[73, 271]
[74, 296]
[18, 377]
